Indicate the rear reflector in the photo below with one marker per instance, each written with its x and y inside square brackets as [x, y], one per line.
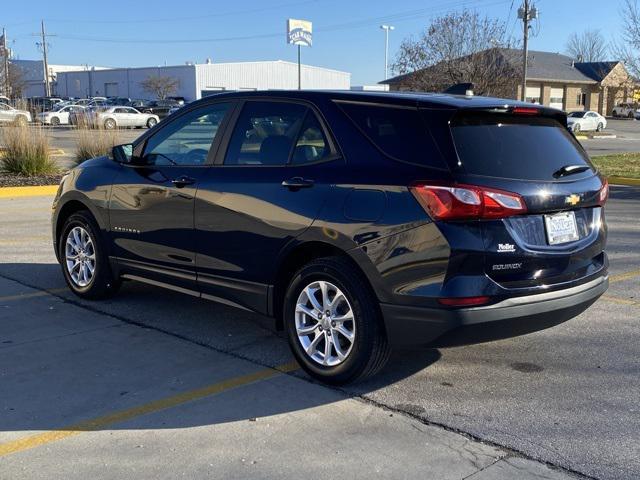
[457, 202]
[604, 193]
[464, 301]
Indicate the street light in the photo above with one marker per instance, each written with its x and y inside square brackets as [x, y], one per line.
[386, 29]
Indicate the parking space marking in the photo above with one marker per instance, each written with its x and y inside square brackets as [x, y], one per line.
[40, 293]
[624, 276]
[621, 301]
[98, 423]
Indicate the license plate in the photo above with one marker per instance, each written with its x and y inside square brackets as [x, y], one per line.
[561, 228]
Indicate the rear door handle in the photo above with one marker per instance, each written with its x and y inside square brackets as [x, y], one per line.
[183, 181]
[297, 182]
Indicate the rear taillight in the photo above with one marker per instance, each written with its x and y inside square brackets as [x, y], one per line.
[604, 193]
[458, 202]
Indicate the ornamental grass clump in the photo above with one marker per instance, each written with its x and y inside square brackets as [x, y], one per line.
[25, 151]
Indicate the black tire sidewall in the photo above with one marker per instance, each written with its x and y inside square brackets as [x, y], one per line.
[102, 282]
[362, 309]
[55, 121]
[152, 122]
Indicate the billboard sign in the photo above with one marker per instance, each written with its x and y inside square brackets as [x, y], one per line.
[299, 32]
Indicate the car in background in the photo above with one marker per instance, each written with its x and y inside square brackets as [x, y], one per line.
[627, 110]
[586, 121]
[9, 114]
[175, 108]
[121, 117]
[59, 115]
[41, 104]
[161, 107]
[118, 101]
[137, 103]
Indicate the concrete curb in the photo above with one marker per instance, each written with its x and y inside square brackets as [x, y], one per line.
[29, 191]
[613, 180]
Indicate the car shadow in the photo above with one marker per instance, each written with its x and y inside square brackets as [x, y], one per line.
[58, 371]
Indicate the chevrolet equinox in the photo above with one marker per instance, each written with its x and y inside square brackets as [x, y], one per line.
[359, 221]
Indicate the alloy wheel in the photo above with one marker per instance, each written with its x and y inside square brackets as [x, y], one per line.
[325, 323]
[80, 257]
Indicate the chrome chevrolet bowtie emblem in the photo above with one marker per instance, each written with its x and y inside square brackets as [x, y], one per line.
[572, 199]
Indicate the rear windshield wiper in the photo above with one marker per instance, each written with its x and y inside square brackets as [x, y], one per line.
[570, 170]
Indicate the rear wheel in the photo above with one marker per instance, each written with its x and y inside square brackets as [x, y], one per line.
[84, 261]
[152, 122]
[333, 322]
[576, 127]
[630, 115]
[21, 121]
[109, 124]
[600, 127]
[55, 121]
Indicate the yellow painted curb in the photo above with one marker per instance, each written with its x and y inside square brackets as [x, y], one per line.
[623, 181]
[15, 192]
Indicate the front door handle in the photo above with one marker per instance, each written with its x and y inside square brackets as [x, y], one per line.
[183, 181]
[297, 182]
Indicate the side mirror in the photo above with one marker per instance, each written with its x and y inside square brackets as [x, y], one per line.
[123, 153]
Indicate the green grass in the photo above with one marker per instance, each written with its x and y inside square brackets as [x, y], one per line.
[619, 164]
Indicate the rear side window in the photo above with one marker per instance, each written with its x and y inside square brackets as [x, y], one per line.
[399, 132]
[502, 145]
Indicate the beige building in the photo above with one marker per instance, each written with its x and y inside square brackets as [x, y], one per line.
[558, 81]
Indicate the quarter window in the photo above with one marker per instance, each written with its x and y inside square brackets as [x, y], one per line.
[265, 133]
[188, 139]
[311, 145]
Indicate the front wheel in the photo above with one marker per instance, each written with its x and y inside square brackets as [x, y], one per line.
[630, 115]
[21, 121]
[85, 264]
[576, 127]
[333, 322]
[600, 127]
[55, 121]
[109, 124]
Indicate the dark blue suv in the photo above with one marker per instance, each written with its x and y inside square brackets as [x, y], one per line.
[360, 221]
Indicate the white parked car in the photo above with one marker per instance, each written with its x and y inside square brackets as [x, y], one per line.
[585, 121]
[627, 110]
[121, 117]
[8, 114]
[59, 115]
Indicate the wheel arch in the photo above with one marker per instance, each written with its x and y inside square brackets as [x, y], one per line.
[68, 208]
[296, 258]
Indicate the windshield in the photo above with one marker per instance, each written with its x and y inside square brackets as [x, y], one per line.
[508, 146]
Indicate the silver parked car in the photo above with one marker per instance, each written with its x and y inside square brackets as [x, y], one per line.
[59, 115]
[8, 114]
[121, 117]
[589, 120]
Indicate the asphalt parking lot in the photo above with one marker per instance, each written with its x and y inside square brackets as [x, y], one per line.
[154, 384]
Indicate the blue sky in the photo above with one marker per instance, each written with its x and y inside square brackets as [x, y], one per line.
[346, 33]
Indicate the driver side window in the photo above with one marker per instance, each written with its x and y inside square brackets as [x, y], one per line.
[186, 141]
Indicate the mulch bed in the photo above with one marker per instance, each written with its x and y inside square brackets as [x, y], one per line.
[9, 180]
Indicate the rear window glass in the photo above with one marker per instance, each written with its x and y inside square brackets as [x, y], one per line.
[528, 148]
[399, 132]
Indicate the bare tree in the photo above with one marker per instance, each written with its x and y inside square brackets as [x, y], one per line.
[160, 86]
[588, 46]
[16, 82]
[456, 48]
[626, 47]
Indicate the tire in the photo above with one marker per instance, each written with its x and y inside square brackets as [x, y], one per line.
[101, 283]
[21, 121]
[600, 127]
[576, 127]
[55, 121]
[109, 124]
[369, 350]
[152, 122]
[630, 115]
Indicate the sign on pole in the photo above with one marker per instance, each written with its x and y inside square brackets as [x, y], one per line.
[299, 32]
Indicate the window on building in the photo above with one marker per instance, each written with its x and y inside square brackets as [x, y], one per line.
[582, 99]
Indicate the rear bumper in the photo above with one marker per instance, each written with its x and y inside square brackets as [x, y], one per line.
[515, 316]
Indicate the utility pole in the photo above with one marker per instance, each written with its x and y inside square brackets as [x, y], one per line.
[43, 35]
[5, 54]
[526, 13]
[386, 29]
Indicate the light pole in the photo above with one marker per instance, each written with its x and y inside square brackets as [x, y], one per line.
[386, 29]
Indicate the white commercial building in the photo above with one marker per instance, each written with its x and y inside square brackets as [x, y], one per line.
[199, 80]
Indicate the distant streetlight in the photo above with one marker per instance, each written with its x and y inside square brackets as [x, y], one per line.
[386, 29]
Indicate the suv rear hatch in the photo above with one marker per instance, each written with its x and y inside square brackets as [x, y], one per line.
[540, 211]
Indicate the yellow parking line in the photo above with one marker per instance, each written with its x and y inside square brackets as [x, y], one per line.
[621, 301]
[624, 276]
[98, 423]
[14, 192]
[24, 296]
